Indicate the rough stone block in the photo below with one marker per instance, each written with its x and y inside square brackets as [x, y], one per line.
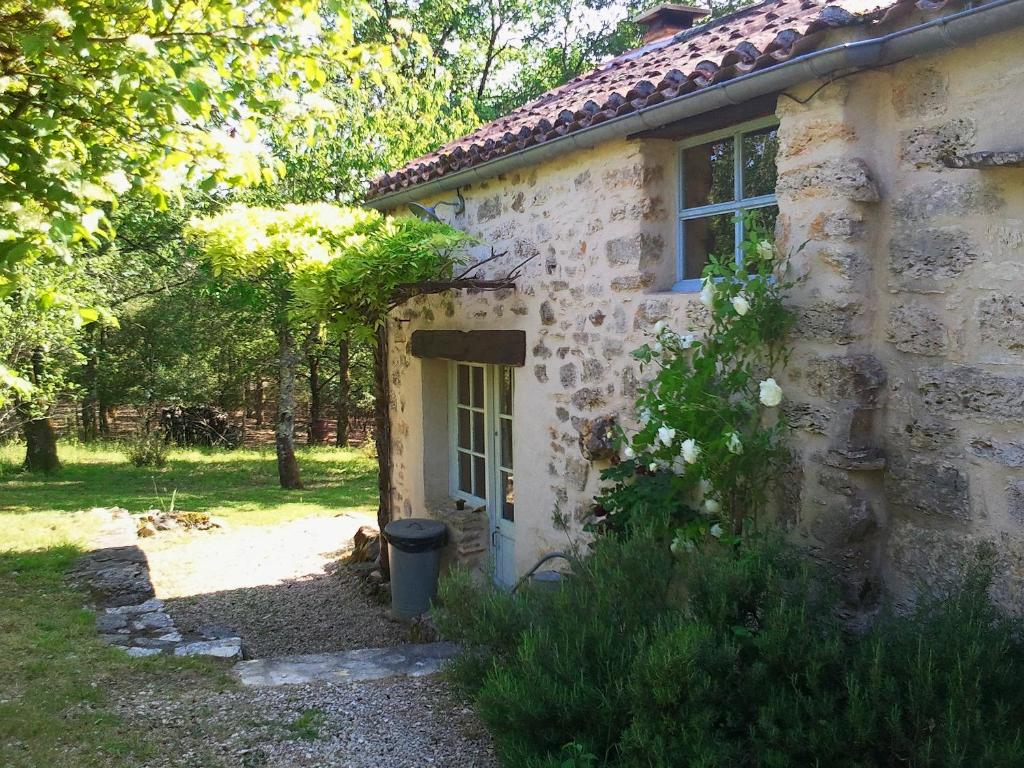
[849, 262]
[963, 390]
[541, 351]
[929, 556]
[541, 373]
[587, 399]
[567, 375]
[490, 208]
[843, 525]
[807, 417]
[811, 135]
[547, 313]
[1015, 501]
[844, 178]
[593, 370]
[831, 320]
[1009, 454]
[926, 434]
[840, 224]
[918, 484]
[649, 312]
[596, 437]
[917, 329]
[927, 260]
[924, 146]
[852, 377]
[632, 282]
[1001, 320]
[945, 198]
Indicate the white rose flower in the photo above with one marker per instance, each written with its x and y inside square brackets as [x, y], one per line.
[687, 341]
[143, 44]
[711, 507]
[707, 293]
[766, 250]
[716, 531]
[659, 327]
[653, 466]
[771, 393]
[735, 445]
[645, 417]
[118, 181]
[690, 451]
[59, 17]
[678, 465]
[628, 452]
[740, 304]
[666, 435]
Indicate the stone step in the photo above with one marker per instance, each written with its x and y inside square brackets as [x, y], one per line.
[413, 660]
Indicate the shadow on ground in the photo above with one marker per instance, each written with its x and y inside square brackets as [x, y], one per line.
[325, 612]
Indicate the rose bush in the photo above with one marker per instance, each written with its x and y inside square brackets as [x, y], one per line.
[710, 438]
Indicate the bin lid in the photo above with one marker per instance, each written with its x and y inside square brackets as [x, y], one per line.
[416, 534]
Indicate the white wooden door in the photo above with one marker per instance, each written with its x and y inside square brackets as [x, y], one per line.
[481, 457]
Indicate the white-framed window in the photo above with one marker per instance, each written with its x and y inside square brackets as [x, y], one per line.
[482, 472]
[723, 176]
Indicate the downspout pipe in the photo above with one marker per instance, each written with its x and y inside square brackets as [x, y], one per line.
[944, 32]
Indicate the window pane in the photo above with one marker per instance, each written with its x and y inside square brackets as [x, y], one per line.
[709, 173]
[506, 443]
[759, 149]
[707, 236]
[508, 498]
[478, 433]
[479, 477]
[464, 428]
[478, 387]
[505, 387]
[465, 473]
[463, 387]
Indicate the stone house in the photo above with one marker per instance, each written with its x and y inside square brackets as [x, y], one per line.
[888, 139]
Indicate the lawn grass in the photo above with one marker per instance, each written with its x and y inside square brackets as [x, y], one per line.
[238, 486]
[57, 679]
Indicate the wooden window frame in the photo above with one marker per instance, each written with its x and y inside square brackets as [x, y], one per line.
[736, 206]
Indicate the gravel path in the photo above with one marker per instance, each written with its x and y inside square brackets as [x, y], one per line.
[280, 587]
[398, 723]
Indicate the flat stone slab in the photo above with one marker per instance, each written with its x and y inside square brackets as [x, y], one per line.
[360, 665]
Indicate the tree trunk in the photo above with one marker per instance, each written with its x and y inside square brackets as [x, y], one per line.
[344, 392]
[257, 401]
[40, 436]
[90, 403]
[102, 406]
[287, 465]
[382, 438]
[315, 429]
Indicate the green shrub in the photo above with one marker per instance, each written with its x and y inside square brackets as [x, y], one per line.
[732, 656]
[147, 449]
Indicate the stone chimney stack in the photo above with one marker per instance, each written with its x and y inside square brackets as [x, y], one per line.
[667, 19]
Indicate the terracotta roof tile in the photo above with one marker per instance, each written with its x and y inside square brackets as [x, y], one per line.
[753, 38]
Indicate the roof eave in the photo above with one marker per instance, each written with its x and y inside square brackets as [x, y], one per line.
[943, 32]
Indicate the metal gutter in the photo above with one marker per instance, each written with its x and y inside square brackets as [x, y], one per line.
[944, 32]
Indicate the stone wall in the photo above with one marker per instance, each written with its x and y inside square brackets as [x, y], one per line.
[906, 386]
[907, 379]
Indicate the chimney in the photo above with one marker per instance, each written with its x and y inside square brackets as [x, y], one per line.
[667, 19]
